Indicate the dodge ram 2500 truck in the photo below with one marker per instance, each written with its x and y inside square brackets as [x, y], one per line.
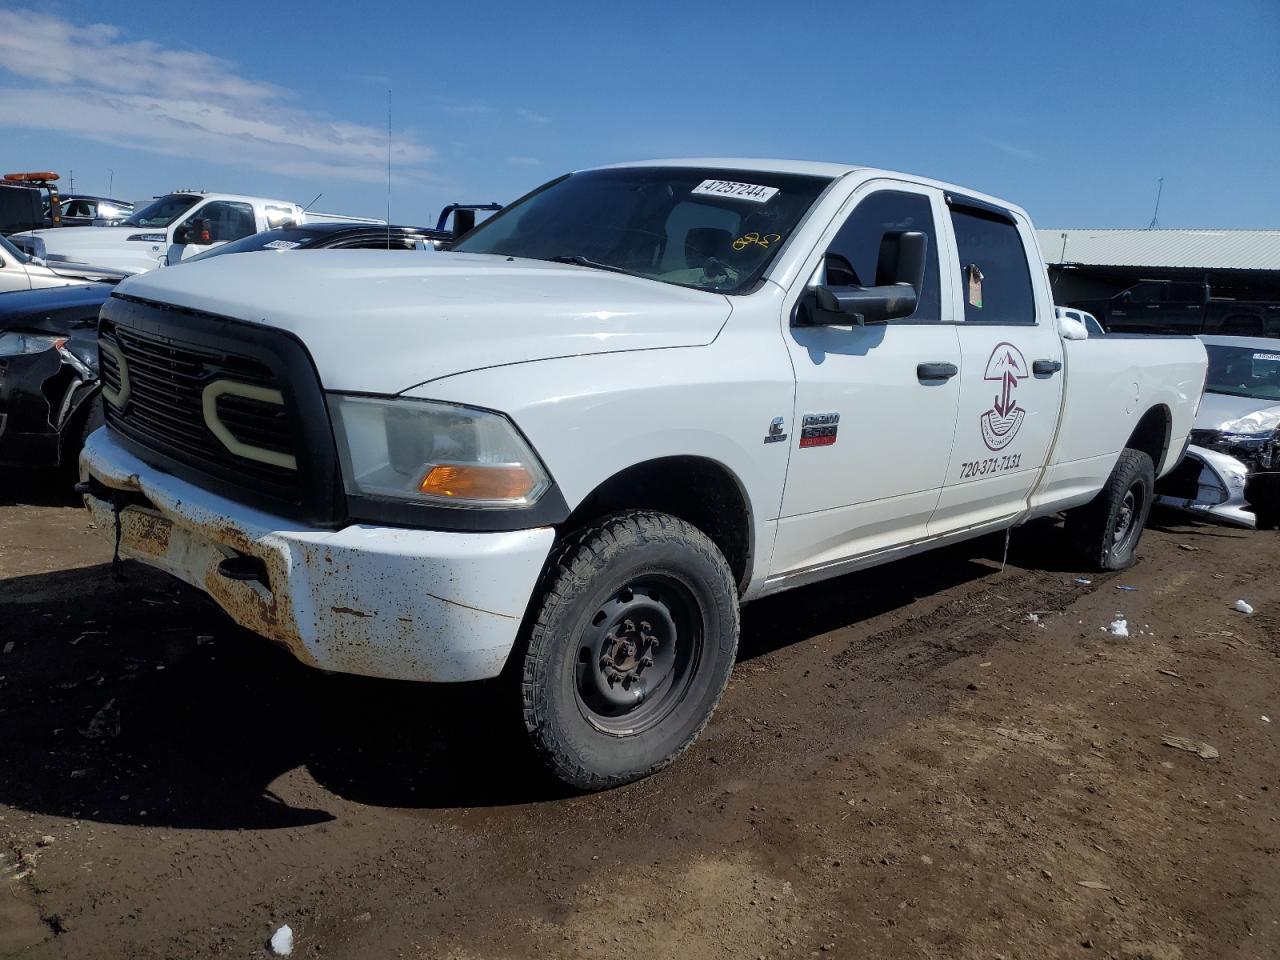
[566, 451]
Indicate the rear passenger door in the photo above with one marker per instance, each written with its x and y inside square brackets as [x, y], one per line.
[1011, 372]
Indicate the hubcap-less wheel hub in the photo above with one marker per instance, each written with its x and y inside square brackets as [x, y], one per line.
[1127, 516]
[634, 656]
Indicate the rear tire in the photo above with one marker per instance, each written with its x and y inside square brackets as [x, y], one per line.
[1106, 530]
[631, 645]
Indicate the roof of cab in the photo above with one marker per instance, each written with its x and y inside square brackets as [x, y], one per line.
[813, 168]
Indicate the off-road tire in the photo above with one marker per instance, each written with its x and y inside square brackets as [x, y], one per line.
[1093, 528]
[588, 571]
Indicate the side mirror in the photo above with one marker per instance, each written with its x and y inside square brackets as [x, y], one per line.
[863, 305]
[463, 221]
[899, 280]
[1069, 328]
[198, 230]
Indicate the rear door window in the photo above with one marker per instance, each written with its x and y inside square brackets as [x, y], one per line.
[995, 281]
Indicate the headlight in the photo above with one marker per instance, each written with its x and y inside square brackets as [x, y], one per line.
[428, 452]
[16, 344]
[1249, 448]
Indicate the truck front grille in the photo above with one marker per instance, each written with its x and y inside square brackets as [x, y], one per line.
[220, 401]
[164, 406]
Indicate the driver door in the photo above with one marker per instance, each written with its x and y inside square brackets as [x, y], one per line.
[875, 397]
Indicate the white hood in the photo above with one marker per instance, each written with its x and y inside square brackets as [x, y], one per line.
[108, 247]
[1230, 414]
[385, 321]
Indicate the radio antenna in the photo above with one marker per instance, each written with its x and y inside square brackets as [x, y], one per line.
[312, 203]
[388, 168]
[1155, 216]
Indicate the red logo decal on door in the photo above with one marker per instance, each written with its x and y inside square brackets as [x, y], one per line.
[1000, 424]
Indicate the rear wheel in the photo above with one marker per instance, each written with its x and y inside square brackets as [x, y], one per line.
[1106, 530]
[632, 644]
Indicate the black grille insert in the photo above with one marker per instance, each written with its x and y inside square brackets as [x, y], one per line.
[164, 405]
[268, 440]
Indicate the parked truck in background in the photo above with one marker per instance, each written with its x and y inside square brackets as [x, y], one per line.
[168, 230]
[566, 451]
[1181, 307]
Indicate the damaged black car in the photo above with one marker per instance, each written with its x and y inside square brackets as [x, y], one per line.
[49, 388]
[49, 394]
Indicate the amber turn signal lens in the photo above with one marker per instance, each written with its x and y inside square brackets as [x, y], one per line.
[470, 482]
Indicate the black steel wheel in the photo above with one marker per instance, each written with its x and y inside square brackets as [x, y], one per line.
[634, 637]
[1106, 530]
[638, 655]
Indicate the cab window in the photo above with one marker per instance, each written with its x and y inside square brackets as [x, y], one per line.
[995, 282]
[856, 256]
[280, 217]
[228, 220]
[1147, 293]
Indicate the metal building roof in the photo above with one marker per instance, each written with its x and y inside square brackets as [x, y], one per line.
[1191, 249]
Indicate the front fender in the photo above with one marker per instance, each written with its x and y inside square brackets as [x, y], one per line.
[591, 417]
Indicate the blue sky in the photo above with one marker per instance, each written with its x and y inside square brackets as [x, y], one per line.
[1069, 109]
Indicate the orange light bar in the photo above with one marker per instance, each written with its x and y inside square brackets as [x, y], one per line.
[478, 482]
[30, 177]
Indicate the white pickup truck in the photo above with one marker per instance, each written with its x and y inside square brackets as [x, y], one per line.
[170, 229]
[565, 452]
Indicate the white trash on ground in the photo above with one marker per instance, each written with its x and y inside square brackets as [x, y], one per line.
[1244, 608]
[1119, 628]
[282, 941]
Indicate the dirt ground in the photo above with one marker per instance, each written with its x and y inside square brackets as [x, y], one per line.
[937, 759]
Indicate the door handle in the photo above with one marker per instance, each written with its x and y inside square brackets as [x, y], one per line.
[936, 371]
[1046, 368]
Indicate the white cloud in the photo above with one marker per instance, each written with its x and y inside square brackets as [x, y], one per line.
[532, 116]
[1012, 149]
[94, 84]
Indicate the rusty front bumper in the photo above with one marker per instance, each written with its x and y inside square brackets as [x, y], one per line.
[376, 601]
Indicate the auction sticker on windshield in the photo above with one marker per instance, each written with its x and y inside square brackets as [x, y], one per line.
[735, 191]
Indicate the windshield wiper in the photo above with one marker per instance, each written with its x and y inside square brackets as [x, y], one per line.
[594, 264]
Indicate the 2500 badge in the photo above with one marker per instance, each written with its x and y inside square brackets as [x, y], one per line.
[980, 468]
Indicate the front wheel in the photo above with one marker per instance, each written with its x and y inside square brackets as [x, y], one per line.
[1106, 530]
[632, 644]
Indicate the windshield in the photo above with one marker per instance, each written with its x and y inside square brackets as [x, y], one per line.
[12, 251]
[1244, 372]
[697, 227]
[285, 238]
[162, 212]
